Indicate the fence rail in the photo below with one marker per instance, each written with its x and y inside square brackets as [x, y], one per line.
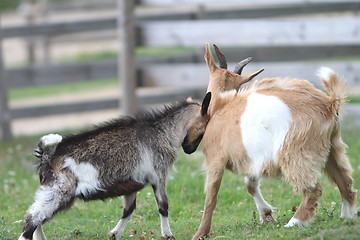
[243, 11]
[254, 3]
[264, 29]
[145, 97]
[197, 75]
[256, 32]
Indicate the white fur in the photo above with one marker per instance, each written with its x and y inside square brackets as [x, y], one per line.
[39, 234]
[260, 202]
[346, 210]
[51, 139]
[145, 170]
[165, 227]
[264, 125]
[45, 204]
[87, 176]
[227, 94]
[22, 238]
[325, 73]
[119, 228]
[294, 221]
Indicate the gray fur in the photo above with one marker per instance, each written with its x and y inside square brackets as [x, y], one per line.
[119, 158]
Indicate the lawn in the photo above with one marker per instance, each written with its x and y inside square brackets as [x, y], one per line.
[235, 216]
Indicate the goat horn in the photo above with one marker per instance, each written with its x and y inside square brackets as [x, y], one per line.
[221, 57]
[239, 67]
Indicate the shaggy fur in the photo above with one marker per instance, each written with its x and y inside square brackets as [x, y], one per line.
[114, 159]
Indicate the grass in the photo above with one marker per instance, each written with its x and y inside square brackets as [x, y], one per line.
[11, 5]
[354, 99]
[235, 216]
[53, 90]
[140, 53]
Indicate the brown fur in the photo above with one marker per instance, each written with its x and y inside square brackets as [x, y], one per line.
[250, 190]
[338, 168]
[313, 142]
[235, 157]
[306, 210]
[213, 181]
[308, 139]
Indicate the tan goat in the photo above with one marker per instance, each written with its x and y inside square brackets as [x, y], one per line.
[272, 127]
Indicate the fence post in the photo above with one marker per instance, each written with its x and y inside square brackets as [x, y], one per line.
[27, 10]
[126, 58]
[5, 118]
[46, 40]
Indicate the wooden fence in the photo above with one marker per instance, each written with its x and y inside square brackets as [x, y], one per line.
[287, 38]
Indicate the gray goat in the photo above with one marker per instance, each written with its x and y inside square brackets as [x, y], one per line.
[115, 159]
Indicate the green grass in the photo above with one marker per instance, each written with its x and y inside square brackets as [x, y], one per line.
[354, 99]
[140, 52]
[11, 5]
[53, 90]
[8, 5]
[235, 216]
[160, 51]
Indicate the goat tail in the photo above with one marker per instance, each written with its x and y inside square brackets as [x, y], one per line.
[47, 146]
[335, 87]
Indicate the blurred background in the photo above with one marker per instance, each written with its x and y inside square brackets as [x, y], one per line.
[66, 64]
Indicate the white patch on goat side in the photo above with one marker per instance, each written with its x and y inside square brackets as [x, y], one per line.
[51, 139]
[165, 227]
[264, 125]
[87, 176]
[294, 221]
[145, 172]
[346, 210]
[325, 73]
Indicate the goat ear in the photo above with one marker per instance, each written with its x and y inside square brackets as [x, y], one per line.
[209, 59]
[242, 79]
[221, 57]
[205, 104]
[252, 75]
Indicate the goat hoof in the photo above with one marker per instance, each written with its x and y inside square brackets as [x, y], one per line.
[112, 236]
[168, 237]
[202, 238]
[199, 237]
[296, 222]
[268, 219]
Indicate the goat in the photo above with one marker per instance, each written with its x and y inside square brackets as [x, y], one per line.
[272, 127]
[115, 159]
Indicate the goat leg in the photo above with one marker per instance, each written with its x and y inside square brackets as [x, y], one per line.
[130, 206]
[213, 182]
